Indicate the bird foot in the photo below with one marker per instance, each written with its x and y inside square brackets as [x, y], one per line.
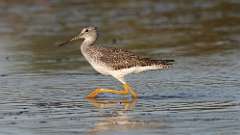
[125, 91]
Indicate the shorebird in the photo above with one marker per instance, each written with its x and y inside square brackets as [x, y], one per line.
[114, 61]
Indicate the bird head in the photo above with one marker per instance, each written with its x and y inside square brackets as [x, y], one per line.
[88, 33]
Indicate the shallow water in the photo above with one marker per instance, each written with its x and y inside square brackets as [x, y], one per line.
[43, 87]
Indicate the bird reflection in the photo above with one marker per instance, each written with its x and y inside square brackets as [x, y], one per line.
[103, 103]
[119, 120]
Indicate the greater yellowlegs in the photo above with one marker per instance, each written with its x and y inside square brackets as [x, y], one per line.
[114, 61]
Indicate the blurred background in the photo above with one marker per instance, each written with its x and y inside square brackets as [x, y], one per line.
[42, 86]
[29, 31]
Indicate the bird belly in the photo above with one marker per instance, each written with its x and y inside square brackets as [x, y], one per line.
[137, 69]
[101, 68]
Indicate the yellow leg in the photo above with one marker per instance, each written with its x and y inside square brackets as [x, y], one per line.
[125, 91]
[131, 90]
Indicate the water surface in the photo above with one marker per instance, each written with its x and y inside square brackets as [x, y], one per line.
[42, 87]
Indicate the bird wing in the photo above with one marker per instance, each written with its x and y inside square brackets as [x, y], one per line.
[120, 59]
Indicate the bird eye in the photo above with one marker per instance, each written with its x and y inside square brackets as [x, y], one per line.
[86, 30]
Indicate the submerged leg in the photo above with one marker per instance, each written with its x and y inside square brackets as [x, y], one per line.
[125, 91]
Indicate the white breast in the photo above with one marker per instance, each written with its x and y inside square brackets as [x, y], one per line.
[98, 66]
[101, 68]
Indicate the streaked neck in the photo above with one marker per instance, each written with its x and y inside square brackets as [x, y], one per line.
[87, 43]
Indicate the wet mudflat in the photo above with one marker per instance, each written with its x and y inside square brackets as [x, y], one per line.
[42, 87]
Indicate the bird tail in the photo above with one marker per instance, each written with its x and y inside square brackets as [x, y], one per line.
[166, 62]
[163, 63]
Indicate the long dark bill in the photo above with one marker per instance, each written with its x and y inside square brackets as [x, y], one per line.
[68, 41]
[64, 43]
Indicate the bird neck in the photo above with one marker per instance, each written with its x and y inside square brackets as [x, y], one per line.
[88, 42]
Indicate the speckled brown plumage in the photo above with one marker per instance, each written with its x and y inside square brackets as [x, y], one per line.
[117, 58]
